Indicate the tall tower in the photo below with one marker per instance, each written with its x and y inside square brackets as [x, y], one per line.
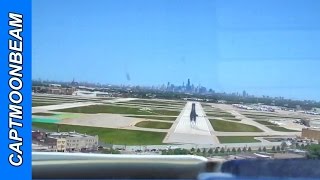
[188, 85]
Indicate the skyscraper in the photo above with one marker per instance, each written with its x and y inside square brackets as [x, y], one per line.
[188, 88]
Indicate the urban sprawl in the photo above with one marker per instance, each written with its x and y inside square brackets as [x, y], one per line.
[169, 119]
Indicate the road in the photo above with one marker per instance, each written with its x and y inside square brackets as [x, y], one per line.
[183, 133]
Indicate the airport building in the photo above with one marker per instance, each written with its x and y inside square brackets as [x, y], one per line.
[76, 141]
[53, 89]
[310, 133]
[66, 141]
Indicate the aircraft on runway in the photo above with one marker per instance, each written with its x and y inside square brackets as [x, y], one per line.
[193, 115]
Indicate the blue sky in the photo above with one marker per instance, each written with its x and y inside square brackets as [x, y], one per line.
[266, 47]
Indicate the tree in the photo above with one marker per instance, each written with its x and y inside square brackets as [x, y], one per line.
[249, 149]
[239, 150]
[298, 146]
[302, 146]
[228, 150]
[192, 149]
[198, 151]
[170, 152]
[273, 149]
[244, 149]
[259, 149]
[283, 146]
[204, 151]
[307, 146]
[210, 151]
[216, 151]
[264, 149]
[222, 150]
[180, 151]
[313, 151]
[234, 150]
[164, 152]
[278, 149]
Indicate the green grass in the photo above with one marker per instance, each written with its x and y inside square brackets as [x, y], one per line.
[279, 128]
[276, 127]
[149, 104]
[267, 123]
[166, 112]
[231, 119]
[155, 117]
[35, 104]
[157, 102]
[116, 110]
[45, 120]
[108, 135]
[237, 139]
[227, 126]
[43, 114]
[220, 113]
[154, 124]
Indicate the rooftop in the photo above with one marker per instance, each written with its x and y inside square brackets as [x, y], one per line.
[68, 134]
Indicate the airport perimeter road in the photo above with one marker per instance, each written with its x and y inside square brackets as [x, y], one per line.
[182, 132]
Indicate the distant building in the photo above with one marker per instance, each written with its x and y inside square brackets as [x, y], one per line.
[53, 89]
[244, 94]
[65, 141]
[77, 142]
[222, 101]
[310, 133]
[90, 93]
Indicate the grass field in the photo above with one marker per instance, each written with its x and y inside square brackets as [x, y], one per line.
[117, 110]
[231, 119]
[220, 113]
[154, 124]
[43, 114]
[166, 112]
[237, 139]
[112, 136]
[279, 128]
[35, 104]
[226, 126]
[275, 127]
[149, 104]
[155, 117]
[158, 102]
[267, 123]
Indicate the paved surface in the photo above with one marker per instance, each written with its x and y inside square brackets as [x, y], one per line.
[61, 106]
[275, 133]
[114, 121]
[250, 121]
[182, 132]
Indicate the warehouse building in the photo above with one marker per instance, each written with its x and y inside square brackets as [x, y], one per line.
[311, 133]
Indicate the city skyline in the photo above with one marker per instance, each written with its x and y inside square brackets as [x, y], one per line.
[164, 87]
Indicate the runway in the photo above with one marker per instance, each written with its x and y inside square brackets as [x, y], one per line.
[182, 132]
